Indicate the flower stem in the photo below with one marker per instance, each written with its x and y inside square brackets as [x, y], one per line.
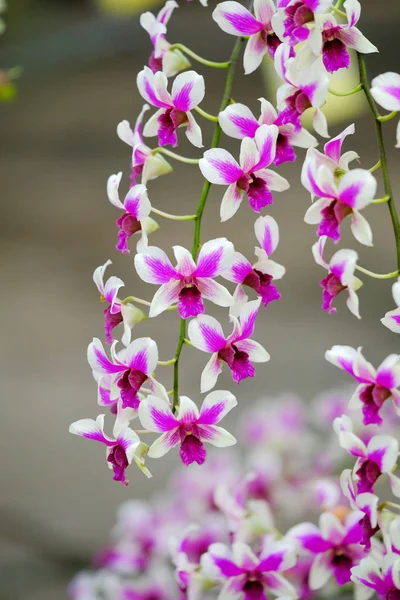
[335, 10]
[382, 154]
[387, 117]
[167, 363]
[188, 161]
[377, 275]
[136, 300]
[200, 59]
[375, 167]
[381, 200]
[202, 202]
[356, 89]
[172, 217]
[205, 114]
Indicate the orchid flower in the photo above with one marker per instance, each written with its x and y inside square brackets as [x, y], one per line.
[340, 277]
[293, 19]
[117, 312]
[303, 88]
[127, 372]
[331, 40]
[188, 283]
[174, 108]
[122, 448]
[382, 577]
[238, 121]
[386, 92]
[331, 157]
[335, 545]
[190, 428]
[375, 387]
[235, 19]
[162, 58]
[337, 200]
[366, 502]
[144, 163]
[251, 177]
[260, 275]
[247, 575]
[391, 320]
[377, 457]
[135, 219]
[238, 351]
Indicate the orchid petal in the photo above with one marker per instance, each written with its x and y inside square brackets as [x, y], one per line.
[215, 257]
[188, 90]
[235, 19]
[154, 266]
[156, 415]
[206, 334]
[216, 406]
[267, 233]
[238, 121]
[219, 167]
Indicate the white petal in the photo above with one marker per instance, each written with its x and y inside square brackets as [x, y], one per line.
[215, 257]
[361, 229]
[235, 19]
[164, 443]
[267, 233]
[154, 266]
[185, 263]
[216, 406]
[193, 131]
[152, 125]
[217, 436]
[320, 123]
[215, 292]
[206, 334]
[112, 190]
[256, 352]
[231, 201]
[238, 121]
[164, 297]
[188, 411]
[386, 90]
[255, 50]
[188, 90]
[156, 415]
[210, 373]
[318, 252]
[219, 167]
[320, 570]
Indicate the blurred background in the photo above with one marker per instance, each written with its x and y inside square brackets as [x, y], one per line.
[58, 146]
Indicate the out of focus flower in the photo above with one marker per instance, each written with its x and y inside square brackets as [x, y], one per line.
[386, 92]
[392, 318]
[292, 22]
[378, 576]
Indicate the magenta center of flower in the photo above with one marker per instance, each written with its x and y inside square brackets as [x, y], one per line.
[334, 51]
[253, 590]
[262, 284]
[331, 286]
[190, 303]
[341, 564]
[256, 190]
[270, 39]
[192, 450]
[168, 122]
[297, 16]
[373, 396]
[130, 383]
[110, 321]
[128, 225]
[368, 473]
[117, 458]
[238, 361]
[332, 216]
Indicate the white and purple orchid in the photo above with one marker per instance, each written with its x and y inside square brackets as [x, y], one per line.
[293, 20]
[391, 320]
[386, 92]
[117, 312]
[235, 19]
[190, 428]
[340, 277]
[366, 502]
[122, 448]
[335, 545]
[144, 163]
[244, 574]
[238, 351]
[136, 208]
[354, 191]
[331, 40]
[174, 109]
[187, 283]
[162, 57]
[375, 386]
[251, 177]
[305, 86]
[261, 274]
[238, 122]
[377, 457]
[332, 156]
[380, 576]
[129, 369]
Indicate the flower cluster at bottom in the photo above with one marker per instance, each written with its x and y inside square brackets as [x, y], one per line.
[249, 531]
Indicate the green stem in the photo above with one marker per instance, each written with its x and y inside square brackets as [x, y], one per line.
[335, 10]
[377, 275]
[375, 167]
[167, 363]
[381, 200]
[136, 300]
[356, 89]
[188, 161]
[202, 203]
[387, 117]
[205, 114]
[172, 217]
[200, 59]
[382, 154]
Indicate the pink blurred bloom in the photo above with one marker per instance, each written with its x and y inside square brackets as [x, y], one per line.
[377, 457]
[136, 208]
[383, 577]
[334, 544]
[331, 40]
[376, 386]
[304, 88]
[391, 320]
[354, 191]
[260, 275]
[122, 448]
[235, 19]
[145, 164]
[117, 312]
[162, 58]
[386, 92]
[293, 19]
[238, 351]
[340, 277]
[126, 373]
[187, 283]
[366, 502]
[174, 108]
[238, 121]
[190, 428]
[251, 177]
[250, 576]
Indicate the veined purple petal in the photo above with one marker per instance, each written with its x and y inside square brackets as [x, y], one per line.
[153, 266]
[215, 406]
[218, 166]
[156, 415]
[235, 19]
[188, 90]
[238, 121]
[215, 257]
[206, 334]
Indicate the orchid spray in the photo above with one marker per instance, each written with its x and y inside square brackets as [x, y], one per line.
[249, 537]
